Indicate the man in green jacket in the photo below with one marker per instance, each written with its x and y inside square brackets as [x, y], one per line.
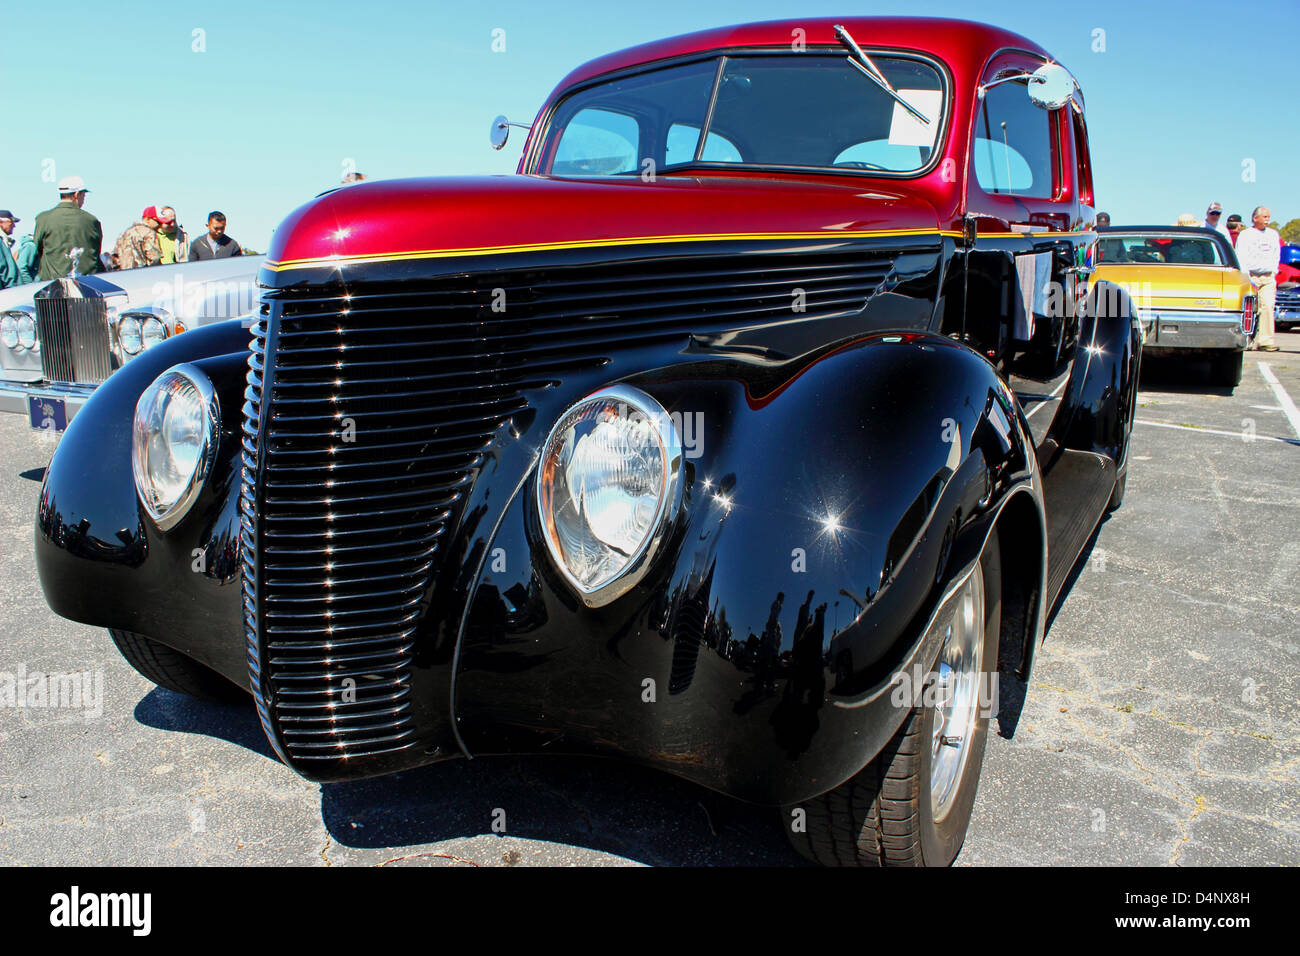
[66, 227]
[8, 252]
[28, 264]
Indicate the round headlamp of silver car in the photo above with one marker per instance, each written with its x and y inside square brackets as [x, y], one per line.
[26, 332]
[9, 331]
[128, 335]
[608, 482]
[152, 331]
[174, 442]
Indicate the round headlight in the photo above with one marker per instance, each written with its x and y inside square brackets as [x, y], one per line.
[152, 331]
[27, 332]
[173, 442]
[128, 334]
[9, 331]
[608, 481]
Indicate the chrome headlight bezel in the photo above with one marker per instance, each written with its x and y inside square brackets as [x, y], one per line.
[626, 401]
[133, 327]
[144, 428]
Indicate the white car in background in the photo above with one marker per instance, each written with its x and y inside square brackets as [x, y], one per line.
[60, 338]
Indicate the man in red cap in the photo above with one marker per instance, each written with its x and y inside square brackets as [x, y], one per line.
[173, 241]
[138, 245]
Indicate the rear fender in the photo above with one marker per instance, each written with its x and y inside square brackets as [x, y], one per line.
[1096, 412]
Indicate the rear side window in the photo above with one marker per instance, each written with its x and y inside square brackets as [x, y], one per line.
[1085, 160]
[1013, 144]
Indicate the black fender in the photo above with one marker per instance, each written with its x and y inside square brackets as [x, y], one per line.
[1097, 407]
[102, 561]
[830, 502]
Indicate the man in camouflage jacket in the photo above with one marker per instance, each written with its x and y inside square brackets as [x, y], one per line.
[138, 244]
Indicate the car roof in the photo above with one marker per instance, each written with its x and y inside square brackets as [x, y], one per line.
[963, 43]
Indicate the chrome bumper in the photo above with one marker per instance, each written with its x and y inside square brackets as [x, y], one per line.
[1176, 329]
[14, 395]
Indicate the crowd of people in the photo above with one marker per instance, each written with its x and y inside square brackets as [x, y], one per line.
[1259, 251]
[68, 233]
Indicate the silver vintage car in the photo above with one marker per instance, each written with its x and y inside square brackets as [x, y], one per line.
[60, 338]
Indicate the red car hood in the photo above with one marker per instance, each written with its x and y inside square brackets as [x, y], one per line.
[445, 217]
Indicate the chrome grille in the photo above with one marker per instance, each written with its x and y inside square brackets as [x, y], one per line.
[342, 539]
[74, 339]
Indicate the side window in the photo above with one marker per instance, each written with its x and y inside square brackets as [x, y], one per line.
[1013, 144]
[597, 143]
[682, 140]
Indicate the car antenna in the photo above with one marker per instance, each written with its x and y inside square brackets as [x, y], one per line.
[872, 72]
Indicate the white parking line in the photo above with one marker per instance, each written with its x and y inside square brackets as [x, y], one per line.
[1212, 431]
[1288, 407]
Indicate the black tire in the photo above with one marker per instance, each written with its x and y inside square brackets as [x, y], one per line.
[882, 815]
[172, 669]
[1227, 368]
[1117, 496]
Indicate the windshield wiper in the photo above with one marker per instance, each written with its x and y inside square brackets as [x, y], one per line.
[872, 72]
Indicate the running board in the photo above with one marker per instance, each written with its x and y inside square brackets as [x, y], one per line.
[1075, 494]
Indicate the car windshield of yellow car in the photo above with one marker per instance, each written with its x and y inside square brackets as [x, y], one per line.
[809, 111]
[1153, 248]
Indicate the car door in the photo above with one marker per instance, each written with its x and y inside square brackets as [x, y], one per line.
[1027, 172]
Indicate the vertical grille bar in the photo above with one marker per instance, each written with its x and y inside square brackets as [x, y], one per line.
[248, 539]
[74, 339]
[88, 332]
[52, 331]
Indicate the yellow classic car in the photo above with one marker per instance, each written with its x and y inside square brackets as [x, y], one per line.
[1191, 294]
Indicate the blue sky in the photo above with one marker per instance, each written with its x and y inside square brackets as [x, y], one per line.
[288, 94]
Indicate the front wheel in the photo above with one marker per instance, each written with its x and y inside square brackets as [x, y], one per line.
[911, 805]
[171, 669]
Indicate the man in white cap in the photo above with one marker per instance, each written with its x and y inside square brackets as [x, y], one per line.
[1214, 220]
[1259, 250]
[67, 227]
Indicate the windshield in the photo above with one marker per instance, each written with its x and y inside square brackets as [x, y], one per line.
[1175, 249]
[794, 110]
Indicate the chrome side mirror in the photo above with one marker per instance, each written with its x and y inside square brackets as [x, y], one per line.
[499, 133]
[1051, 86]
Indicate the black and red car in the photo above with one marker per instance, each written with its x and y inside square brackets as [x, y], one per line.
[738, 435]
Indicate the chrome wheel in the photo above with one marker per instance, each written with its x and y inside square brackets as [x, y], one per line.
[957, 695]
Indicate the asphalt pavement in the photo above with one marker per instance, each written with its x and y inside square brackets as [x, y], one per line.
[1161, 724]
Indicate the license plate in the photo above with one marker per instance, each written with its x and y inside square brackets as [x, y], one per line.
[47, 414]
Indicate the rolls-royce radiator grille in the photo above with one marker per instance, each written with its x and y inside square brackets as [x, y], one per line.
[365, 418]
[74, 339]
